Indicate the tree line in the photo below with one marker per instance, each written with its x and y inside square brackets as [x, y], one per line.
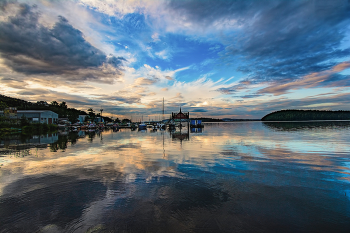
[60, 108]
[306, 115]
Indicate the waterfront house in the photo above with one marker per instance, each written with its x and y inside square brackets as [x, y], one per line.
[82, 118]
[34, 116]
[39, 116]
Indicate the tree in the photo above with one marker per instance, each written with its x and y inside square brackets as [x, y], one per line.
[54, 103]
[124, 121]
[73, 116]
[91, 114]
[63, 105]
[107, 119]
[3, 106]
[24, 121]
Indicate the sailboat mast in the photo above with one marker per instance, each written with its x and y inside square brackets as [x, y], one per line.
[163, 109]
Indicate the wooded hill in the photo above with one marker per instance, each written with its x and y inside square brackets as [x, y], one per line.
[60, 108]
[306, 115]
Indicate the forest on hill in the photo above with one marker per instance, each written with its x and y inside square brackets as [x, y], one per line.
[306, 115]
[60, 108]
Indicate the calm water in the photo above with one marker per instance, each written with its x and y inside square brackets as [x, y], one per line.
[231, 177]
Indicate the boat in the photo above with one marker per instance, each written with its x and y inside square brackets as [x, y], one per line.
[92, 126]
[196, 124]
[84, 127]
[115, 127]
[142, 126]
[172, 126]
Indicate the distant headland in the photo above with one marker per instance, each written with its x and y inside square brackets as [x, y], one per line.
[306, 115]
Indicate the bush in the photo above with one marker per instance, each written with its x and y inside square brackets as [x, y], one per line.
[24, 121]
[27, 129]
[53, 127]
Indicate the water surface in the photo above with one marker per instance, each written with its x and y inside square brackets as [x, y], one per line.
[229, 177]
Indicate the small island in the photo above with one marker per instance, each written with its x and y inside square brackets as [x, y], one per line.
[307, 115]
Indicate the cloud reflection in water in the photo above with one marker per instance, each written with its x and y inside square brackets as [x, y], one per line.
[231, 177]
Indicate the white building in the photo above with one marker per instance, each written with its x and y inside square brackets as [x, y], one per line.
[39, 116]
[81, 118]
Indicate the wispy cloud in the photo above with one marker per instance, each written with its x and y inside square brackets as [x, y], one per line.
[328, 78]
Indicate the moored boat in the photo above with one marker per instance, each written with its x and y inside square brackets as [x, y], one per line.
[142, 126]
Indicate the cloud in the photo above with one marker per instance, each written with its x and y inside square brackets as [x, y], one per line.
[178, 97]
[124, 97]
[13, 83]
[164, 54]
[31, 48]
[273, 40]
[328, 102]
[328, 78]
[290, 39]
[234, 88]
[198, 110]
[127, 100]
[34, 91]
[146, 81]
[155, 37]
[250, 96]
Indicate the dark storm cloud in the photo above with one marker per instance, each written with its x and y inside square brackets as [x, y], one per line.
[31, 48]
[276, 40]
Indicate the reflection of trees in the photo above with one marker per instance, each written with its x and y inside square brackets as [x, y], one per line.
[91, 135]
[63, 140]
[295, 126]
[16, 139]
[306, 115]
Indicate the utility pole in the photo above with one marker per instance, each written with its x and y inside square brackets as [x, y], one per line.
[101, 113]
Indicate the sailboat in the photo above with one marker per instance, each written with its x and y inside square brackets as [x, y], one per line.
[142, 125]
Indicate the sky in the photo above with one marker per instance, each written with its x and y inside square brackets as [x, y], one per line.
[219, 59]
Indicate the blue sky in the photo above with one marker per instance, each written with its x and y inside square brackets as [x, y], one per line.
[236, 59]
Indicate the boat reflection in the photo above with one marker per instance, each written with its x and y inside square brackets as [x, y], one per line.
[196, 130]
